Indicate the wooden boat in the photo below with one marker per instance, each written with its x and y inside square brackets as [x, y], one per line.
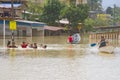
[107, 49]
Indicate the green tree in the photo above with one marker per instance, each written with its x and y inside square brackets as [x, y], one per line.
[89, 23]
[115, 13]
[51, 12]
[101, 22]
[75, 14]
[35, 10]
[109, 10]
[95, 4]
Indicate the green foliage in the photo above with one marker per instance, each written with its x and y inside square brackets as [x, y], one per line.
[101, 22]
[89, 23]
[95, 4]
[75, 14]
[35, 9]
[51, 12]
[109, 11]
[115, 12]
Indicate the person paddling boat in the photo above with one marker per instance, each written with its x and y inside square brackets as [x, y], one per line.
[102, 42]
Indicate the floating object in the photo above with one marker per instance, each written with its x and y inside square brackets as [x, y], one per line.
[76, 38]
[93, 44]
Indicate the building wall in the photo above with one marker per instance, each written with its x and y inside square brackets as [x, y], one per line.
[22, 31]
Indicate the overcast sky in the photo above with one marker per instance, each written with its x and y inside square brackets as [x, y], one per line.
[107, 3]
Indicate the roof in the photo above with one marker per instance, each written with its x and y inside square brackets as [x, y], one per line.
[30, 23]
[53, 28]
[63, 21]
[9, 5]
[26, 23]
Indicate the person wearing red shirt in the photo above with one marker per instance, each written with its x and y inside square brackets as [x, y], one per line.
[70, 39]
[24, 45]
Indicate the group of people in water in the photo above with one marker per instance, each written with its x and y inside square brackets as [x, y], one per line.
[74, 39]
[102, 43]
[24, 45]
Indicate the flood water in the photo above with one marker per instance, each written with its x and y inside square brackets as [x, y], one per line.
[59, 61]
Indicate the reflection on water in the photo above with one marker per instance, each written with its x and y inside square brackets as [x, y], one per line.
[59, 61]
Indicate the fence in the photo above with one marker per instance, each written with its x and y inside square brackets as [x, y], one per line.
[112, 37]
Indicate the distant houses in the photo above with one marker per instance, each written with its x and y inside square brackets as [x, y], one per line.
[24, 27]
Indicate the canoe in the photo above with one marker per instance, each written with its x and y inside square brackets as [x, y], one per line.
[106, 54]
[107, 49]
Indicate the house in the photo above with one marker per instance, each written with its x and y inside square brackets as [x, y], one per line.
[24, 28]
[10, 8]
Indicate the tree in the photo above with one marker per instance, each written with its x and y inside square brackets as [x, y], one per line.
[101, 22]
[95, 5]
[115, 13]
[89, 23]
[34, 9]
[75, 14]
[51, 12]
[109, 10]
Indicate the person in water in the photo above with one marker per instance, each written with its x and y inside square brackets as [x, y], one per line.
[35, 45]
[13, 45]
[102, 42]
[70, 39]
[31, 46]
[43, 46]
[24, 45]
[9, 45]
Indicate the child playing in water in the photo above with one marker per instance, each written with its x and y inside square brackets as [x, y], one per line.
[35, 45]
[9, 45]
[13, 45]
[43, 46]
[70, 39]
[31, 46]
[24, 45]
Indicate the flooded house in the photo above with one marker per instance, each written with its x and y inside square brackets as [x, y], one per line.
[12, 10]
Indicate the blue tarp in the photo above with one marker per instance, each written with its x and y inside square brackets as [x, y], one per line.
[26, 23]
[8, 5]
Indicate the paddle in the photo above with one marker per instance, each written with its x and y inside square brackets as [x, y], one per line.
[93, 44]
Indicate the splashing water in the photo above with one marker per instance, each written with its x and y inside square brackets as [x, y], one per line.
[117, 50]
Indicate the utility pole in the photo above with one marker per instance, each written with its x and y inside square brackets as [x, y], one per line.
[12, 7]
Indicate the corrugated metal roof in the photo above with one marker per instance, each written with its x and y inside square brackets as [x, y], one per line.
[8, 5]
[26, 23]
